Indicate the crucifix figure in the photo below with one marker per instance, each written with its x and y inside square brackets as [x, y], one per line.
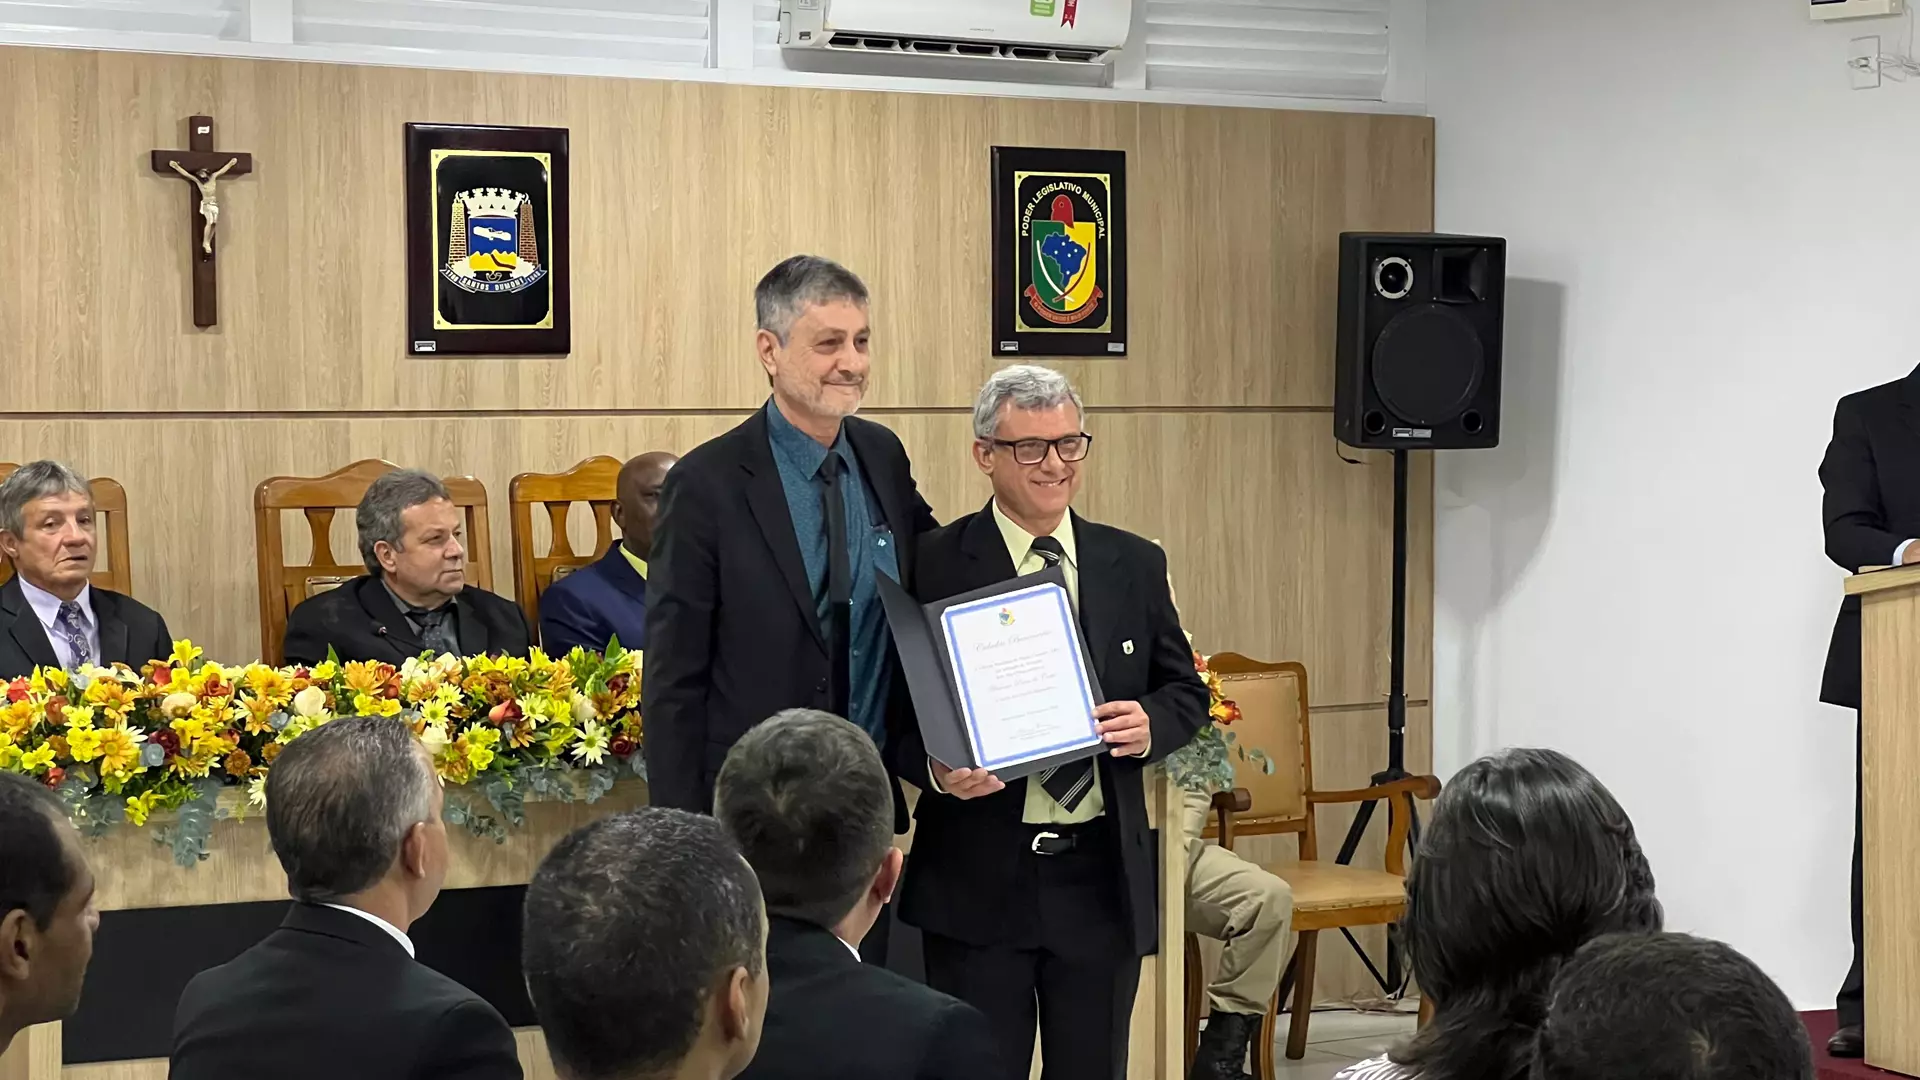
[202, 167]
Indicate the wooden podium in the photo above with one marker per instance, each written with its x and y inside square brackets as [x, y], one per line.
[1890, 749]
[134, 873]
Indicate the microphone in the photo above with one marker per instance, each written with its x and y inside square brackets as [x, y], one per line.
[380, 631]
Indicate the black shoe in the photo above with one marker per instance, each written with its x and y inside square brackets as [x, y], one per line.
[1848, 1042]
[1222, 1054]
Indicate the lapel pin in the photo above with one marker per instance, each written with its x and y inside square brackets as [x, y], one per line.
[1127, 646]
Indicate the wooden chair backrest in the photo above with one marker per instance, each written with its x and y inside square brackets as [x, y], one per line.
[593, 482]
[321, 498]
[110, 509]
[1273, 718]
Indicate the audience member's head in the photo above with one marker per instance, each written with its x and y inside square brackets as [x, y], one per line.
[812, 338]
[808, 801]
[46, 908]
[1668, 1007]
[637, 498]
[411, 536]
[353, 810]
[46, 527]
[1029, 437]
[645, 950]
[1527, 858]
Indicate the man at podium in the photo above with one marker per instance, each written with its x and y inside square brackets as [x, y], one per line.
[1872, 515]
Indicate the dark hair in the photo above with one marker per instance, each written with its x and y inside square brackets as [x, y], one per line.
[35, 872]
[798, 282]
[631, 922]
[808, 801]
[1528, 857]
[340, 798]
[1669, 1007]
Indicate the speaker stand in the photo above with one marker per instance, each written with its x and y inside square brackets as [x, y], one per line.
[1396, 727]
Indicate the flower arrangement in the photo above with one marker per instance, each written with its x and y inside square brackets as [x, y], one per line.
[120, 746]
[1205, 765]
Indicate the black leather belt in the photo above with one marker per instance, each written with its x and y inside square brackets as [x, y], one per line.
[1066, 839]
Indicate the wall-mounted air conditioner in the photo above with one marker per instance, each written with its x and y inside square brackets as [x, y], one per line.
[1855, 9]
[1047, 32]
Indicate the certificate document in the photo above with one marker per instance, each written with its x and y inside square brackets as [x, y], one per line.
[1020, 676]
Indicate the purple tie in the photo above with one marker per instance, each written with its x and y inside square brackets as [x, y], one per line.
[74, 630]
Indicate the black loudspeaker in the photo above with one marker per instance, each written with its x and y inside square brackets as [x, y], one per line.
[1418, 361]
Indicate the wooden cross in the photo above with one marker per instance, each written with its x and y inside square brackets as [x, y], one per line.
[203, 168]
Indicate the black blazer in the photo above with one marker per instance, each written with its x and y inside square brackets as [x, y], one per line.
[732, 633]
[361, 621]
[968, 878]
[832, 1017]
[330, 995]
[1872, 479]
[131, 633]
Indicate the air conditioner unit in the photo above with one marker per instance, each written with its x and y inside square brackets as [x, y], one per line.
[1855, 9]
[1052, 32]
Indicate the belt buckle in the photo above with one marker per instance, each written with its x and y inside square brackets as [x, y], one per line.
[1038, 837]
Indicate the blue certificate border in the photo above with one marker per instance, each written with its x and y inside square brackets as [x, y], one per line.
[1079, 673]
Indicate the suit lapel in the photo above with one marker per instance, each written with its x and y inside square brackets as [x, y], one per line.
[389, 625]
[25, 625]
[474, 637]
[1102, 590]
[885, 481]
[767, 500]
[987, 550]
[113, 628]
[621, 573]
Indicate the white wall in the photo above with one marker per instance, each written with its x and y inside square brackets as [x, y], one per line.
[1711, 240]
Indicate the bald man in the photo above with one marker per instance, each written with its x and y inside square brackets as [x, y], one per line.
[608, 598]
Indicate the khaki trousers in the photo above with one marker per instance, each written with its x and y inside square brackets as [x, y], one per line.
[1231, 900]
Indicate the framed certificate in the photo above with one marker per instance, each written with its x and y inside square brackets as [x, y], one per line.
[999, 676]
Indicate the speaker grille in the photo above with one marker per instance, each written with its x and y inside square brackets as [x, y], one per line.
[1427, 365]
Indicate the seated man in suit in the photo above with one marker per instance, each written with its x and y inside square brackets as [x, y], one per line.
[47, 918]
[52, 614]
[415, 597]
[644, 948]
[1037, 899]
[811, 806]
[608, 598]
[353, 811]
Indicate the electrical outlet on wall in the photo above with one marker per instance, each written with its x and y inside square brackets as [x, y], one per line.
[1863, 60]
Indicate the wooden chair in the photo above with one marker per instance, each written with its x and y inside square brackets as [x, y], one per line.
[593, 482]
[320, 498]
[110, 504]
[1326, 895]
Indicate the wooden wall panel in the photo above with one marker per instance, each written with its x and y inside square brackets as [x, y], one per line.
[1279, 547]
[684, 193]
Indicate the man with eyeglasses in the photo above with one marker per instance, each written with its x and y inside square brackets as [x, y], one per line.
[1036, 899]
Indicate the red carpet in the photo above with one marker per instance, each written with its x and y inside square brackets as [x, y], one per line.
[1819, 1026]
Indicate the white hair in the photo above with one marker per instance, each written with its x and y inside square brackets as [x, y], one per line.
[1027, 386]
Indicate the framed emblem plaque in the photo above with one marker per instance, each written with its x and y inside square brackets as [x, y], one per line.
[487, 240]
[1059, 252]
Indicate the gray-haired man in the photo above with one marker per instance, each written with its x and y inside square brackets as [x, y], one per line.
[51, 615]
[415, 597]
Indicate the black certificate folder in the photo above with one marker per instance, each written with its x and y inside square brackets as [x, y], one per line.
[965, 658]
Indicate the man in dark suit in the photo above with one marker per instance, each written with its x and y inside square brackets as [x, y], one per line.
[1872, 514]
[353, 811]
[762, 595]
[1038, 898]
[47, 917]
[415, 597]
[52, 614]
[810, 804]
[608, 597]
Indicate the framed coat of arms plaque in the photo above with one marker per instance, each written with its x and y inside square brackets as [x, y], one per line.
[487, 240]
[1059, 252]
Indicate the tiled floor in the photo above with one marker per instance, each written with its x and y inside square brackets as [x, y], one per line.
[1336, 1040]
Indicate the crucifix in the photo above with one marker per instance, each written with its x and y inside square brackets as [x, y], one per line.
[203, 168]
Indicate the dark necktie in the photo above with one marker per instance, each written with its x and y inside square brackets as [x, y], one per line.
[839, 589]
[1068, 783]
[436, 628]
[73, 630]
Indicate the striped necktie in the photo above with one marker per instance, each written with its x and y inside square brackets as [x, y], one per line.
[1068, 783]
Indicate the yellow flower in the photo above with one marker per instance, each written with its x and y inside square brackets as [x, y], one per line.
[83, 743]
[325, 671]
[119, 749]
[37, 760]
[57, 678]
[435, 713]
[593, 743]
[9, 753]
[185, 653]
[477, 756]
[139, 806]
[365, 705]
[78, 716]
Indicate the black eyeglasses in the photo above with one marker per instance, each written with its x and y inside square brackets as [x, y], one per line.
[1034, 451]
